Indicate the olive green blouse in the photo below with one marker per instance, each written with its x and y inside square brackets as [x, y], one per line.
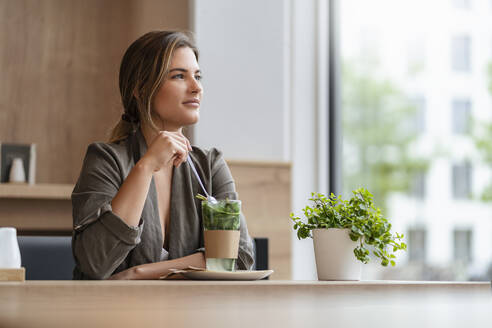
[103, 244]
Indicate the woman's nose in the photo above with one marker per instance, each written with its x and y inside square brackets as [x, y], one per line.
[196, 86]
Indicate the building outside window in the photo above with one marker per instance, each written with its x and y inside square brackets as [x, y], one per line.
[413, 172]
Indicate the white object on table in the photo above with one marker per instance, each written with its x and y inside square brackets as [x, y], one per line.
[10, 254]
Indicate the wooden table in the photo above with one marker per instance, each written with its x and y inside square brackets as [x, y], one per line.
[244, 304]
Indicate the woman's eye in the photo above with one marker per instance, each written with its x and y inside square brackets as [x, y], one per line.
[178, 76]
[198, 77]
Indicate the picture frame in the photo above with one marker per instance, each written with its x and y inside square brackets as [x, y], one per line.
[27, 152]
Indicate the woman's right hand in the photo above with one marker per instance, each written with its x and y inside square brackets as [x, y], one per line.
[166, 149]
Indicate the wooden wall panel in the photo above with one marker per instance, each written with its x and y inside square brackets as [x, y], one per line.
[37, 216]
[59, 61]
[264, 190]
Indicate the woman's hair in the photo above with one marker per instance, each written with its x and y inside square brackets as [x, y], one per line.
[144, 67]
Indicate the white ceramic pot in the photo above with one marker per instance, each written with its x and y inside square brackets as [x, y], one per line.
[9, 255]
[334, 253]
[17, 173]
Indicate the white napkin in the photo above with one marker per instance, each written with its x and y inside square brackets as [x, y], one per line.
[176, 273]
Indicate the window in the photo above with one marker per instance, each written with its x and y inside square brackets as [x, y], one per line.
[462, 4]
[462, 245]
[461, 116]
[416, 50]
[417, 240]
[461, 53]
[461, 180]
[406, 133]
[418, 185]
[420, 105]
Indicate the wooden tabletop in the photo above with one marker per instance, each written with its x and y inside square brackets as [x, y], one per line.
[245, 304]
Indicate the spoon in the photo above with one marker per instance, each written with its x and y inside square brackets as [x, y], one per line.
[210, 198]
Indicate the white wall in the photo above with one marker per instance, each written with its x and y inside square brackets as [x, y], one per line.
[264, 65]
[243, 52]
[308, 91]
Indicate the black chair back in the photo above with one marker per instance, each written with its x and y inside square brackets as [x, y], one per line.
[261, 245]
[47, 257]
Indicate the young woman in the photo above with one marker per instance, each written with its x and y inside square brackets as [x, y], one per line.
[135, 213]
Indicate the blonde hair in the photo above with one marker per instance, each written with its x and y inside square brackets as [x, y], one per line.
[144, 66]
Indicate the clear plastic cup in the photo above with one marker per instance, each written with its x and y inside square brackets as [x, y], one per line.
[221, 223]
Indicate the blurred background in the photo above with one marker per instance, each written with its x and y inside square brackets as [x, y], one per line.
[300, 95]
[417, 86]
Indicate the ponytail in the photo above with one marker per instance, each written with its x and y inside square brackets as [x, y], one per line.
[121, 131]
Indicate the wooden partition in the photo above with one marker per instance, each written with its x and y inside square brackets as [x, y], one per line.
[264, 190]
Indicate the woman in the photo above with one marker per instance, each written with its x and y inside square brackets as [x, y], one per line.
[134, 207]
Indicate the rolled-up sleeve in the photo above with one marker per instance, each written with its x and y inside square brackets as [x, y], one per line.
[223, 187]
[101, 239]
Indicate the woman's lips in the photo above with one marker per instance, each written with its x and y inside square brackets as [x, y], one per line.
[192, 104]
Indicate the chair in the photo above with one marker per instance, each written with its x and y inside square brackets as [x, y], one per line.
[261, 247]
[47, 257]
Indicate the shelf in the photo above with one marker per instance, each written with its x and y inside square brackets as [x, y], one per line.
[36, 191]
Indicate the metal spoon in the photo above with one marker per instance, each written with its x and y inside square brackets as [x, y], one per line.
[210, 198]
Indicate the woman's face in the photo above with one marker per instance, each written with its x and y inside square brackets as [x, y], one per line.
[177, 101]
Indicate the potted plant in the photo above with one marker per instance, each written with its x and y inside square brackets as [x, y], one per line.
[343, 228]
